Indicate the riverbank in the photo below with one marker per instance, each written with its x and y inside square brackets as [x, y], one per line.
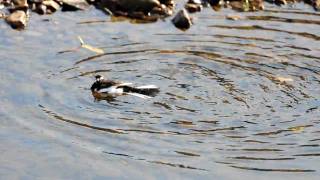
[16, 12]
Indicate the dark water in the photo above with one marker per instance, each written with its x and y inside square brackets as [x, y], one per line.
[239, 99]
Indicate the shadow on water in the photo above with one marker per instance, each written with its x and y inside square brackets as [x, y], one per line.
[236, 96]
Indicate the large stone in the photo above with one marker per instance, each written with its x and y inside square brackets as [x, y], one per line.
[256, 5]
[280, 2]
[19, 5]
[73, 5]
[316, 5]
[168, 2]
[182, 20]
[41, 9]
[213, 2]
[194, 1]
[2, 15]
[191, 7]
[51, 5]
[277, 2]
[5, 2]
[138, 5]
[17, 19]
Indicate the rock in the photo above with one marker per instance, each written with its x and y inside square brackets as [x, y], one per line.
[41, 9]
[213, 2]
[5, 2]
[2, 15]
[51, 5]
[35, 1]
[168, 3]
[17, 19]
[127, 6]
[237, 5]
[277, 2]
[194, 2]
[280, 2]
[162, 10]
[316, 5]
[20, 5]
[191, 8]
[138, 5]
[256, 5]
[182, 20]
[74, 5]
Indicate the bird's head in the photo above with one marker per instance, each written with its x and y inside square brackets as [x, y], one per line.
[98, 78]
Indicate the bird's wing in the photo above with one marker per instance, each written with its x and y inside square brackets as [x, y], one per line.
[147, 87]
[139, 95]
[124, 84]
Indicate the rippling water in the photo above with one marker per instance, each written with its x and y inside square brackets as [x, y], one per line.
[239, 99]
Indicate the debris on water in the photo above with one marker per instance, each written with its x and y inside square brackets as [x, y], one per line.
[284, 79]
[89, 47]
[85, 46]
[233, 17]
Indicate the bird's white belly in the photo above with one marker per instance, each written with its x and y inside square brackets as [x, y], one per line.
[112, 90]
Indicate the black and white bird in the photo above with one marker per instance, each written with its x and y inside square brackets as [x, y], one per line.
[103, 88]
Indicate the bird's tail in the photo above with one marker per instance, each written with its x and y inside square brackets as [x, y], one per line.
[149, 90]
[145, 92]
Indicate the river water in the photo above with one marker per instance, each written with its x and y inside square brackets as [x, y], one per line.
[238, 100]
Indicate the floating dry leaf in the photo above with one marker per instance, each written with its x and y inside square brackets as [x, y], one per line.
[284, 79]
[233, 17]
[298, 128]
[89, 47]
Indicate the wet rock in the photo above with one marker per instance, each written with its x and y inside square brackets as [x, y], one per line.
[248, 5]
[20, 4]
[138, 5]
[192, 8]
[17, 19]
[127, 6]
[51, 5]
[237, 5]
[74, 5]
[2, 15]
[6, 2]
[162, 10]
[214, 2]
[277, 2]
[194, 1]
[40, 9]
[35, 1]
[168, 3]
[182, 20]
[255, 5]
[316, 5]
[280, 2]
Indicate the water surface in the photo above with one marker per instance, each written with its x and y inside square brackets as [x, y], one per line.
[239, 99]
